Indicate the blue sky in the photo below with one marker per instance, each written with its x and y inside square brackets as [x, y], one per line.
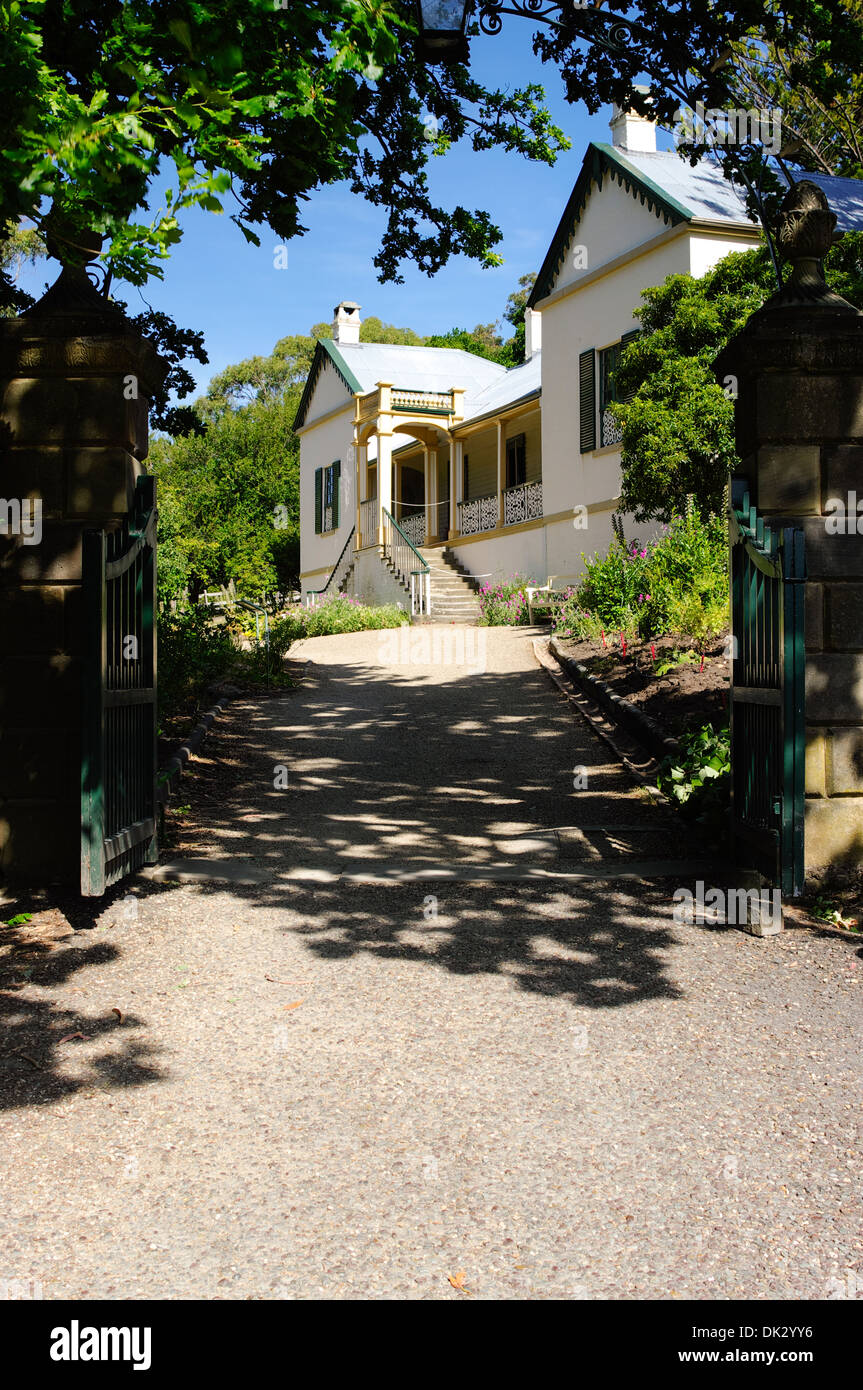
[231, 291]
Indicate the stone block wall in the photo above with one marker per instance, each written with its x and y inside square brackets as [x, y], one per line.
[800, 437]
[75, 385]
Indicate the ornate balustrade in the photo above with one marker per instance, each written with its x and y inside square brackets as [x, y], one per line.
[479, 514]
[437, 402]
[611, 430]
[414, 526]
[522, 503]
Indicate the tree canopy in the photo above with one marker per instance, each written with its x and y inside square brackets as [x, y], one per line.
[117, 115]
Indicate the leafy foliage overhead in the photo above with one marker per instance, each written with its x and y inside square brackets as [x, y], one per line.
[117, 115]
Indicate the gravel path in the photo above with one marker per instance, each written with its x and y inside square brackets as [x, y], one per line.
[355, 1091]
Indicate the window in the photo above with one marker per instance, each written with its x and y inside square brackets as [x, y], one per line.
[465, 476]
[610, 429]
[516, 460]
[327, 497]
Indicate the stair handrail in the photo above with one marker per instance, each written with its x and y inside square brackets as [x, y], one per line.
[421, 601]
[311, 592]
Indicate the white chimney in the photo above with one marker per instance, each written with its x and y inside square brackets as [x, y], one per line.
[532, 333]
[630, 131]
[346, 322]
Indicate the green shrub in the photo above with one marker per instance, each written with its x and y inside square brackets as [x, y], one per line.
[192, 654]
[505, 604]
[698, 780]
[687, 578]
[676, 584]
[615, 587]
[341, 613]
[569, 619]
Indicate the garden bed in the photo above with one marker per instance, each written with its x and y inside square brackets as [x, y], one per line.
[684, 697]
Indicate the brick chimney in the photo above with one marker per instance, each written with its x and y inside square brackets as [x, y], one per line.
[346, 322]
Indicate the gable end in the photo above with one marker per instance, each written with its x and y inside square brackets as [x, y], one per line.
[325, 351]
[601, 160]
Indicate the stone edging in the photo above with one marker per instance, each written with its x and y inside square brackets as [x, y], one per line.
[639, 724]
[171, 771]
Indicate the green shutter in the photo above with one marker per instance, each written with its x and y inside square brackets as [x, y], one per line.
[587, 400]
[337, 473]
[319, 500]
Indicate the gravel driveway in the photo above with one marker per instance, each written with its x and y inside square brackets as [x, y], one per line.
[354, 1090]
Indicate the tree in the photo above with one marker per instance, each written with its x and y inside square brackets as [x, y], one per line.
[822, 131]
[484, 341]
[246, 99]
[678, 428]
[692, 52]
[516, 307]
[21, 246]
[263, 102]
[374, 330]
[229, 502]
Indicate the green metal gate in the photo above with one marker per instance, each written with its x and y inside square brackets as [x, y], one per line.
[768, 704]
[118, 762]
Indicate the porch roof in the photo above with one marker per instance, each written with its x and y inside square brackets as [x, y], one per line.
[515, 385]
[418, 368]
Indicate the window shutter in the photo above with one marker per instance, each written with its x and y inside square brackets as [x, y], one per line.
[319, 500]
[337, 473]
[624, 343]
[587, 400]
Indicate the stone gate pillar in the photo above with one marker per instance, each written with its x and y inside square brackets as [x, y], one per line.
[798, 370]
[75, 383]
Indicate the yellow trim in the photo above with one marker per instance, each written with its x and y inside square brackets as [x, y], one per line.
[322, 419]
[310, 574]
[591, 277]
[491, 421]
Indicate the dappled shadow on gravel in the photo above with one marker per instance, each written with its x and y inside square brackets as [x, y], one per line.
[40, 1030]
[596, 944]
[369, 762]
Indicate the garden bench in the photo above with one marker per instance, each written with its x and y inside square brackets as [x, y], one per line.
[557, 584]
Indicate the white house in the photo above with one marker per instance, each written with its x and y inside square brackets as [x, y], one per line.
[413, 454]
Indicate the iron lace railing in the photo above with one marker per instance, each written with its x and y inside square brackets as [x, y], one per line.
[408, 565]
[522, 503]
[312, 595]
[479, 514]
